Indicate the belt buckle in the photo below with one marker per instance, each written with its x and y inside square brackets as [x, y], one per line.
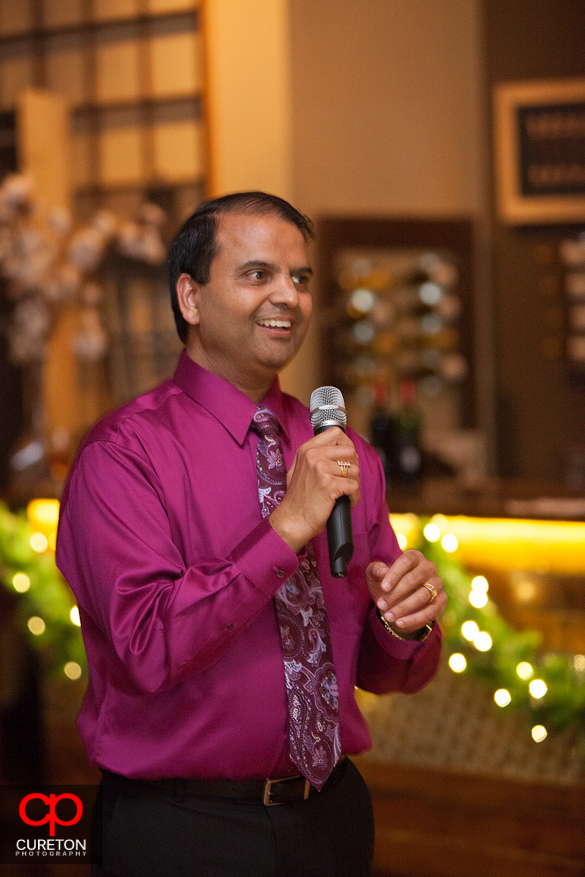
[267, 796]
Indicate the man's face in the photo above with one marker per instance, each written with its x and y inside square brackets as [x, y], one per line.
[253, 314]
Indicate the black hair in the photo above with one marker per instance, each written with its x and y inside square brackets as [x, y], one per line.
[194, 247]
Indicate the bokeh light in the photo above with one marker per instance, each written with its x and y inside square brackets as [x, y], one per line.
[457, 662]
[502, 697]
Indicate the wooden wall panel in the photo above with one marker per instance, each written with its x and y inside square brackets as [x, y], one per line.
[16, 17]
[118, 66]
[108, 9]
[175, 63]
[65, 68]
[16, 74]
[178, 150]
[121, 155]
[62, 13]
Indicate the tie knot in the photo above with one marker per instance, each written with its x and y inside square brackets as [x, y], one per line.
[264, 422]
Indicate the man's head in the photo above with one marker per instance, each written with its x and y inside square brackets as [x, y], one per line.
[195, 245]
[240, 281]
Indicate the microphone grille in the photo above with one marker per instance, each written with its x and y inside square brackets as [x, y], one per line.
[327, 406]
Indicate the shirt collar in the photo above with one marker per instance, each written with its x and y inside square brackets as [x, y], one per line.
[225, 402]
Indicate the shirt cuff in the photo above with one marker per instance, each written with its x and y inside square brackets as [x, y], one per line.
[398, 648]
[265, 558]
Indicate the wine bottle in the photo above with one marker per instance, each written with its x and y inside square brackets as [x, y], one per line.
[383, 429]
[409, 457]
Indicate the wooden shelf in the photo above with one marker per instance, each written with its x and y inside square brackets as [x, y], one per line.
[146, 102]
[85, 27]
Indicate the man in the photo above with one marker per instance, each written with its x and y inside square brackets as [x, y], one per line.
[192, 532]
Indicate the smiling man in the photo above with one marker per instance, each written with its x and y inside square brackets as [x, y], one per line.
[223, 655]
[252, 314]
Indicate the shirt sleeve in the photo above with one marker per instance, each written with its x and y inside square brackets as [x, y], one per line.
[162, 620]
[386, 663]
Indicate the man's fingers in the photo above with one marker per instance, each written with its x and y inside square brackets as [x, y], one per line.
[416, 601]
[325, 468]
[409, 593]
[415, 620]
[410, 571]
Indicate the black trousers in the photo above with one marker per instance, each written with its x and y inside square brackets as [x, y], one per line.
[139, 831]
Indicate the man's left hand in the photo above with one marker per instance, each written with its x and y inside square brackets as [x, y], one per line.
[405, 592]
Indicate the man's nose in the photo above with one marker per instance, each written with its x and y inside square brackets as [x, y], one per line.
[285, 291]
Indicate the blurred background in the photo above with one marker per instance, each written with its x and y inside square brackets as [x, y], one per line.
[439, 147]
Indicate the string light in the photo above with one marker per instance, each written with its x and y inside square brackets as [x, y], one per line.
[538, 688]
[470, 630]
[524, 670]
[74, 616]
[457, 662]
[21, 582]
[36, 625]
[72, 670]
[479, 588]
[480, 583]
[450, 543]
[39, 542]
[539, 733]
[579, 663]
[432, 532]
[502, 697]
[478, 599]
[483, 641]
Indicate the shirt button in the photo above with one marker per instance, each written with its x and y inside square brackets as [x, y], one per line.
[279, 573]
[229, 625]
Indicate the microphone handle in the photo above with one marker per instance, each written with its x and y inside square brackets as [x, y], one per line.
[340, 537]
[339, 529]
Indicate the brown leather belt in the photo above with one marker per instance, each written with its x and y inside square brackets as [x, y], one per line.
[269, 792]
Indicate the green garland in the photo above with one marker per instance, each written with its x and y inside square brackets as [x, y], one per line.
[48, 596]
[562, 707]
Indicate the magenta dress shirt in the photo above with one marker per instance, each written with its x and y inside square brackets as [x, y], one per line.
[174, 570]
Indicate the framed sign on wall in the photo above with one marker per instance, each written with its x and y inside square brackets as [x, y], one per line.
[539, 131]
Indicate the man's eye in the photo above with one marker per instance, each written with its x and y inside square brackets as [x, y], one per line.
[258, 274]
[300, 279]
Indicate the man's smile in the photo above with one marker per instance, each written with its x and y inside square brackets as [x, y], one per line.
[275, 323]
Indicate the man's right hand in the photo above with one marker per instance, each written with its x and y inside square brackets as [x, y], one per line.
[314, 481]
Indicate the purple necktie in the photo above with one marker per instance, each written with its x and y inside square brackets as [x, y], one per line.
[311, 683]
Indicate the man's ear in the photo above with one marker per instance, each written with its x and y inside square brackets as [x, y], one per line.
[188, 298]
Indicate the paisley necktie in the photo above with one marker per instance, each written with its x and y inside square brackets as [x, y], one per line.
[311, 683]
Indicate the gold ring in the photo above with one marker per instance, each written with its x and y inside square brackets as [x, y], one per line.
[431, 589]
[345, 466]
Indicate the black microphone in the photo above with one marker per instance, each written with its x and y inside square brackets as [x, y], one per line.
[328, 410]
